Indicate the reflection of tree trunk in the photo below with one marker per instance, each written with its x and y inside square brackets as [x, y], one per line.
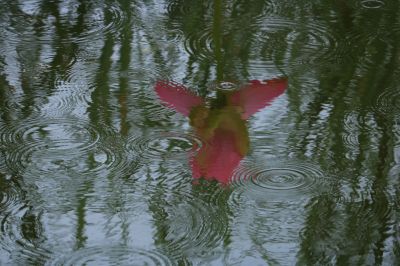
[82, 197]
[98, 110]
[125, 59]
[30, 228]
[366, 222]
[5, 90]
[319, 223]
[217, 36]
[380, 189]
[81, 222]
[80, 25]
[158, 206]
[161, 205]
[233, 37]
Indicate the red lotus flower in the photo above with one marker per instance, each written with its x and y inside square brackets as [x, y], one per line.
[223, 128]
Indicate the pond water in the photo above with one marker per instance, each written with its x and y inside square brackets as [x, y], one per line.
[241, 132]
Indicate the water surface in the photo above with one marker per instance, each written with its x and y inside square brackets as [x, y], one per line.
[199, 132]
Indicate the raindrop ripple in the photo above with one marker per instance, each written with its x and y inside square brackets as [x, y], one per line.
[51, 144]
[164, 145]
[66, 99]
[10, 195]
[388, 102]
[101, 19]
[22, 231]
[372, 4]
[112, 255]
[279, 181]
[311, 44]
[194, 227]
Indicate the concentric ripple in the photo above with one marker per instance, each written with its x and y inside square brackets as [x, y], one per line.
[18, 103]
[112, 255]
[352, 127]
[10, 195]
[193, 218]
[46, 142]
[194, 227]
[178, 7]
[355, 126]
[200, 44]
[164, 145]
[101, 160]
[67, 98]
[54, 134]
[226, 86]
[307, 44]
[369, 208]
[279, 181]
[101, 18]
[21, 233]
[388, 102]
[372, 4]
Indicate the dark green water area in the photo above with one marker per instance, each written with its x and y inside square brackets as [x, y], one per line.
[222, 132]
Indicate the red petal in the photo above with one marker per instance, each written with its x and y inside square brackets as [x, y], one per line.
[257, 95]
[177, 96]
[218, 159]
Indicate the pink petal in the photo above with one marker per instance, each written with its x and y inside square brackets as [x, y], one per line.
[218, 159]
[177, 96]
[257, 95]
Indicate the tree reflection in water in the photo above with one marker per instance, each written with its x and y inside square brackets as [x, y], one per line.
[221, 123]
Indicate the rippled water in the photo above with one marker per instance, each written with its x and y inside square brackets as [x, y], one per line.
[199, 132]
